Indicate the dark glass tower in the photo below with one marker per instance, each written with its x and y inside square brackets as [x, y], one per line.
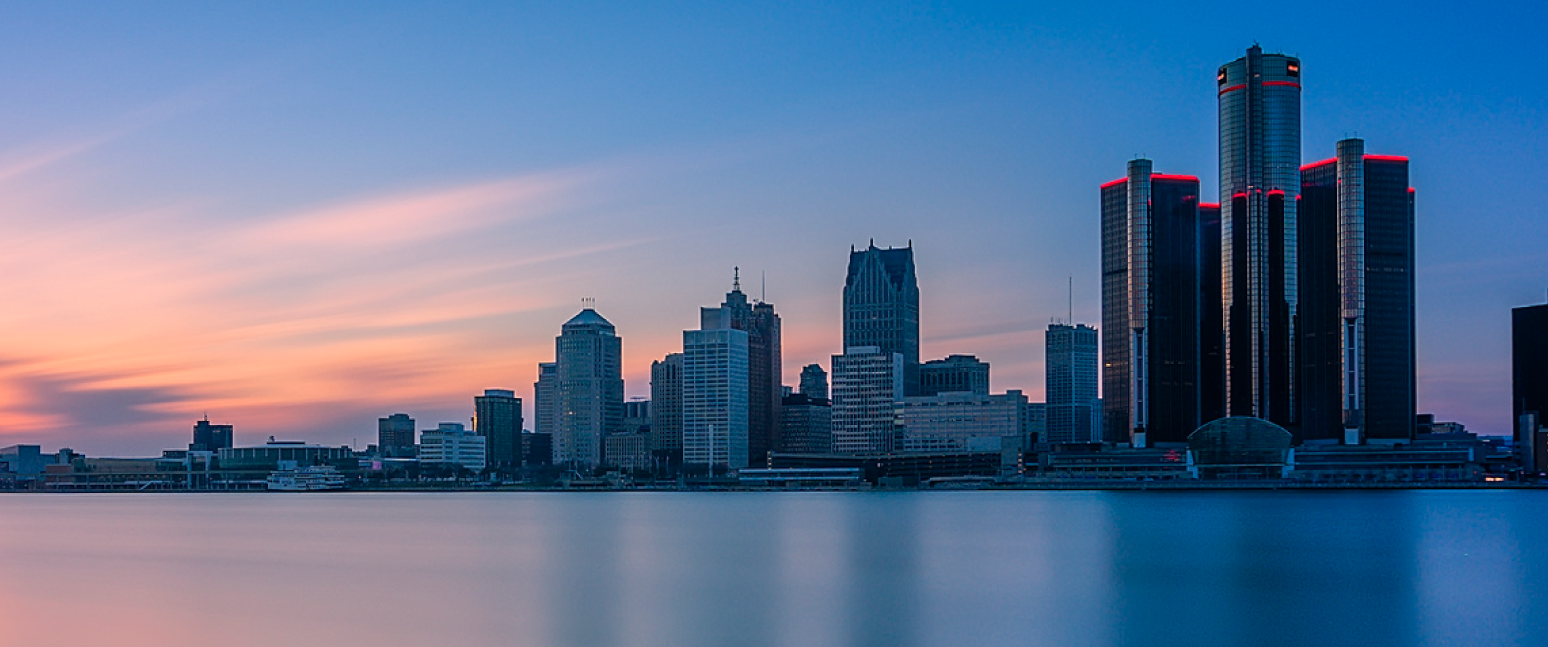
[1356, 333]
[1529, 361]
[1212, 390]
[1152, 306]
[395, 436]
[881, 306]
[955, 373]
[764, 369]
[209, 438]
[666, 409]
[497, 417]
[1260, 160]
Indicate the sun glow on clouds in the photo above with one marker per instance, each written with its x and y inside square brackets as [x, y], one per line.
[123, 327]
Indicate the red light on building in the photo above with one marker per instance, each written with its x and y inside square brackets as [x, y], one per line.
[1329, 160]
[1115, 182]
[1233, 88]
[1387, 158]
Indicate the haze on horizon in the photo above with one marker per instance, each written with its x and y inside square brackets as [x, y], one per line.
[298, 219]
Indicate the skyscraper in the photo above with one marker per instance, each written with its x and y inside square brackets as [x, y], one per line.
[497, 417]
[1356, 325]
[954, 374]
[715, 400]
[395, 436]
[1071, 376]
[814, 382]
[867, 387]
[764, 369]
[546, 398]
[210, 438]
[589, 386]
[666, 411]
[806, 424]
[881, 307]
[1529, 361]
[1260, 161]
[1151, 306]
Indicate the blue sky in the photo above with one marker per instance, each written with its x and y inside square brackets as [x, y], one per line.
[300, 218]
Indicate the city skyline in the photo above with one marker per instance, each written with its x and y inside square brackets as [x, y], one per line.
[303, 228]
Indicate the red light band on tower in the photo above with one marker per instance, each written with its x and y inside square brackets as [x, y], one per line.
[1115, 182]
[1232, 88]
[1164, 176]
[1209, 205]
[1292, 84]
[1276, 192]
[1329, 160]
[1387, 158]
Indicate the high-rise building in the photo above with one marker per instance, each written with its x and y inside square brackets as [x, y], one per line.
[1071, 384]
[450, 443]
[1355, 331]
[806, 424]
[715, 399]
[546, 398]
[636, 416]
[212, 438]
[666, 414]
[497, 417]
[1152, 296]
[1260, 163]
[962, 421]
[881, 307]
[867, 387]
[814, 382]
[1212, 371]
[764, 369]
[1529, 363]
[954, 374]
[589, 386]
[395, 436]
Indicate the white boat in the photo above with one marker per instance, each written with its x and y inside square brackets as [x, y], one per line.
[306, 479]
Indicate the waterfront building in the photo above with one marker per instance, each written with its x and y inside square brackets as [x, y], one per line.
[764, 368]
[628, 452]
[537, 449]
[1529, 361]
[1212, 366]
[867, 386]
[1037, 421]
[545, 399]
[450, 443]
[881, 307]
[666, 414]
[1356, 324]
[715, 400]
[1260, 159]
[956, 421]
[497, 417]
[636, 416]
[806, 424]
[1151, 306]
[814, 382]
[589, 389]
[395, 436]
[1071, 384]
[273, 453]
[21, 463]
[955, 373]
[208, 437]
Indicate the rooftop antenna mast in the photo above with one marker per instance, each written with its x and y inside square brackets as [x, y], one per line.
[1071, 320]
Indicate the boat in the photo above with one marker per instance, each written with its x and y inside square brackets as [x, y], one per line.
[306, 479]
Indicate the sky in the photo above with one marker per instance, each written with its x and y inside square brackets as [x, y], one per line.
[299, 217]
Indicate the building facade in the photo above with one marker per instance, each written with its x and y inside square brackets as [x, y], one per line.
[666, 414]
[1529, 371]
[867, 387]
[1260, 159]
[814, 382]
[589, 389]
[450, 443]
[1071, 384]
[1355, 335]
[881, 307]
[806, 424]
[962, 421]
[954, 374]
[715, 400]
[210, 438]
[497, 417]
[764, 369]
[545, 396]
[395, 436]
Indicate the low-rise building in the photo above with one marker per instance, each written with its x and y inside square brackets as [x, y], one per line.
[451, 443]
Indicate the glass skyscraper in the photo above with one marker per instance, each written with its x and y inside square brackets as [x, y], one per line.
[715, 400]
[764, 366]
[497, 417]
[1071, 384]
[1260, 162]
[881, 307]
[588, 389]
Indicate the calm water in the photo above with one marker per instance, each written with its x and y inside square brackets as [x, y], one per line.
[968, 568]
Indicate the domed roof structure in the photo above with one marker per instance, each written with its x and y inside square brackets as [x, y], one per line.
[588, 317]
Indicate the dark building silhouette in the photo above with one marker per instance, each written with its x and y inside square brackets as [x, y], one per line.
[395, 436]
[666, 411]
[764, 369]
[1529, 361]
[537, 449]
[209, 438]
[1356, 328]
[497, 417]
[636, 416]
[955, 373]
[1212, 368]
[881, 306]
[806, 425]
[1152, 306]
[1260, 156]
[814, 382]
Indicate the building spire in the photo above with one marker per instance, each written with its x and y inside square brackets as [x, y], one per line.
[736, 279]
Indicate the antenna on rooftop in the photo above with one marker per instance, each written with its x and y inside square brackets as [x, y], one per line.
[736, 279]
[763, 288]
[1072, 302]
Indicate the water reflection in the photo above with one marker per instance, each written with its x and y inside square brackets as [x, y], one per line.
[1070, 568]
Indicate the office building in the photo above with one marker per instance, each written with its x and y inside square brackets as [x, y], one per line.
[497, 417]
[1529, 383]
[450, 443]
[867, 387]
[1151, 305]
[1037, 421]
[589, 389]
[806, 424]
[1356, 324]
[210, 438]
[1212, 367]
[715, 400]
[395, 436]
[636, 416]
[628, 452]
[666, 412]
[537, 449]
[881, 307]
[1071, 385]
[764, 368]
[1260, 159]
[545, 396]
[814, 382]
[958, 421]
[954, 374]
